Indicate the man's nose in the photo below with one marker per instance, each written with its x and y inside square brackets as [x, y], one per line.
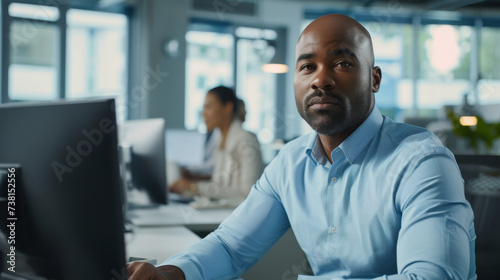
[323, 79]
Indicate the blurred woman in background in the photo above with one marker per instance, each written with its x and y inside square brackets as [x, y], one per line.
[238, 158]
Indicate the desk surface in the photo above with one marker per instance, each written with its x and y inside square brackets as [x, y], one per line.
[163, 232]
[158, 242]
[177, 214]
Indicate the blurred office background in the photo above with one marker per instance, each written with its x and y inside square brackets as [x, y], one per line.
[159, 57]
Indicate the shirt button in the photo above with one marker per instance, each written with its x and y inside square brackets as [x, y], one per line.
[334, 179]
[333, 229]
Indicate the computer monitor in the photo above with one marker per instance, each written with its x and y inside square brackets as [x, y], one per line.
[67, 195]
[178, 140]
[146, 139]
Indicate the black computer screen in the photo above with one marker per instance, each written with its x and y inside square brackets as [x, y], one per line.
[146, 139]
[69, 188]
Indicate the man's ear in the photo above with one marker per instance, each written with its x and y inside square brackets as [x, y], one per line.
[376, 78]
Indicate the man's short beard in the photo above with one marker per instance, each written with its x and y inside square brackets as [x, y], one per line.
[326, 122]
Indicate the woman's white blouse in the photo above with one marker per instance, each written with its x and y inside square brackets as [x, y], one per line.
[237, 166]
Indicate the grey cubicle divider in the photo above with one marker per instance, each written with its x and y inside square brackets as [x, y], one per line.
[481, 174]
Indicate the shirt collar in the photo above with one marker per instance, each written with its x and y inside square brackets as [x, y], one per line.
[315, 151]
[353, 145]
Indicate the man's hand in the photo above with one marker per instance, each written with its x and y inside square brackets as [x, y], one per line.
[186, 173]
[147, 271]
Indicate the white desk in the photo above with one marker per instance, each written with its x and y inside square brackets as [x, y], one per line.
[177, 214]
[163, 232]
[158, 242]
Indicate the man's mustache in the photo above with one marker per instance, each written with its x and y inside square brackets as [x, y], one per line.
[320, 93]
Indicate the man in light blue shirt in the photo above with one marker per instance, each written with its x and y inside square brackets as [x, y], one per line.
[366, 197]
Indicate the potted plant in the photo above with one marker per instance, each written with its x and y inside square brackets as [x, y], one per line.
[487, 133]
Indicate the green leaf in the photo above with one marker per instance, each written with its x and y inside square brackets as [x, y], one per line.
[496, 130]
[484, 132]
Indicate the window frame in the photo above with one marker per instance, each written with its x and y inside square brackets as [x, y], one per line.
[227, 27]
[61, 24]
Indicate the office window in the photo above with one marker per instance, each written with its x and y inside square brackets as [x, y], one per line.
[209, 63]
[489, 53]
[94, 52]
[444, 52]
[256, 87]
[32, 70]
[36, 12]
[391, 46]
[96, 57]
[254, 48]
[233, 56]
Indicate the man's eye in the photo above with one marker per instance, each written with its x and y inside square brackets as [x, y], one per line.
[307, 67]
[344, 64]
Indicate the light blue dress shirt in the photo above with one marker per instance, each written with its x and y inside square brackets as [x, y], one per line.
[390, 206]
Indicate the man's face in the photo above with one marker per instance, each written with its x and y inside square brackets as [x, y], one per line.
[333, 80]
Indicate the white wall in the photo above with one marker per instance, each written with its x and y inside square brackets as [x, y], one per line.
[157, 82]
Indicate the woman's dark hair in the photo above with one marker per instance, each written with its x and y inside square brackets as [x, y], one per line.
[225, 95]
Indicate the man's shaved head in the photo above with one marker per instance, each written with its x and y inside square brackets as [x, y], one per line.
[335, 78]
[329, 26]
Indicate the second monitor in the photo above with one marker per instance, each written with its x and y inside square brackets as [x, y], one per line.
[143, 147]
